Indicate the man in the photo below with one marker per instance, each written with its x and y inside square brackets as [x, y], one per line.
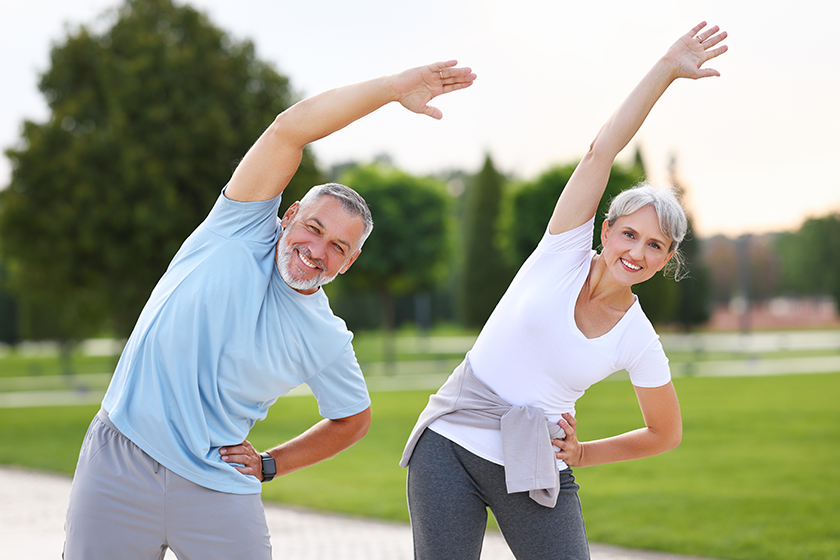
[237, 320]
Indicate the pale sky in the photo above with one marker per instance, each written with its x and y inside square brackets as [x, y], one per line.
[758, 147]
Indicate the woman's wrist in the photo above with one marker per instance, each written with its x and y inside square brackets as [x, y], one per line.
[667, 69]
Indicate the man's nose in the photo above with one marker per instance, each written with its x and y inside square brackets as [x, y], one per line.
[318, 250]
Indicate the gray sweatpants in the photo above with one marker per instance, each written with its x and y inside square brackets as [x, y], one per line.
[125, 505]
[449, 491]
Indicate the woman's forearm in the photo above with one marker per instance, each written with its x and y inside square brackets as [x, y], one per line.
[627, 119]
[637, 444]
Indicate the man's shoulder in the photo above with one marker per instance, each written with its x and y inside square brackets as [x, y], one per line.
[234, 219]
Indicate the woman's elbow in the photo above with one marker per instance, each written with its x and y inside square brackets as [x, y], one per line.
[675, 441]
[673, 438]
[600, 151]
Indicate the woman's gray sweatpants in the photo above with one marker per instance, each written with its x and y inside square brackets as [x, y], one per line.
[449, 491]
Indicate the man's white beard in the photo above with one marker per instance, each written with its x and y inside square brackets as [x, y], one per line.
[284, 259]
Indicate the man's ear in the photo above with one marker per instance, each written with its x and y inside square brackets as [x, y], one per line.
[289, 214]
[351, 261]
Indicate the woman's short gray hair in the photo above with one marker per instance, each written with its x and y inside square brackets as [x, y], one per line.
[350, 200]
[672, 219]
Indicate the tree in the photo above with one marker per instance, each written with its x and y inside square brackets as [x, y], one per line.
[531, 204]
[528, 208]
[8, 312]
[809, 257]
[486, 270]
[411, 243]
[692, 307]
[148, 119]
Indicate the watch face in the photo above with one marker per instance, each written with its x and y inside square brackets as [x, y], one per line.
[269, 468]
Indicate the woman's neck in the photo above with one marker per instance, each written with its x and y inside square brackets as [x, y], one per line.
[601, 286]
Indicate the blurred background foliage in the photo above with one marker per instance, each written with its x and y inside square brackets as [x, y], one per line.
[150, 114]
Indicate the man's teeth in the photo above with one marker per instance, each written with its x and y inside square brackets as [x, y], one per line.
[306, 261]
[630, 265]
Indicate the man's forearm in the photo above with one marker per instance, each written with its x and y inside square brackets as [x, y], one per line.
[322, 441]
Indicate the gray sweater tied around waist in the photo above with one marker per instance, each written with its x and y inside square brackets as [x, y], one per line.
[527, 452]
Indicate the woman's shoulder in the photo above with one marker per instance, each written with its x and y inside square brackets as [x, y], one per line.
[575, 239]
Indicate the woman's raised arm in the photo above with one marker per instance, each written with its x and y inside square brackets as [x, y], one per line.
[685, 59]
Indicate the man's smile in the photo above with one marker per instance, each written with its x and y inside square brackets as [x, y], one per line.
[307, 262]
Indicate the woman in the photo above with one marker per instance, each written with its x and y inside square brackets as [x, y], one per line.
[568, 320]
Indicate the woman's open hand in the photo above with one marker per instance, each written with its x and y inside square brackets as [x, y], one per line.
[694, 49]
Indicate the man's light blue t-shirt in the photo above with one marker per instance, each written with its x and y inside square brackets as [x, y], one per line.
[220, 339]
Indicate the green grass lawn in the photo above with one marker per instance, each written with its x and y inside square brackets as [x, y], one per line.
[756, 476]
[16, 365]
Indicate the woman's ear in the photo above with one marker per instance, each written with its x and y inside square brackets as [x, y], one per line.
[605, 231]
[671, 254]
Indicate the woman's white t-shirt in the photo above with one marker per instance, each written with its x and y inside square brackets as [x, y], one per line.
[531, 352]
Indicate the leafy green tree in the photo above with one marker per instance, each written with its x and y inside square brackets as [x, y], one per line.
[486, 271]
[8, 312]
[530, 205]
[809, 258]
[693, 304]
[528, 208]
[412, 238]
[148, 119]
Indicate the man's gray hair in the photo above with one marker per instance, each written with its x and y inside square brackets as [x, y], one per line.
[350, 200]
[672, 219]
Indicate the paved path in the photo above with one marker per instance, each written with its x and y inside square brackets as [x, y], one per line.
[32, 507]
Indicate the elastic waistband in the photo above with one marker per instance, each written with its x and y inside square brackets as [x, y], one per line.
[106, 419]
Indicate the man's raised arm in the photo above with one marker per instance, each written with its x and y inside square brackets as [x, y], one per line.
[272, 161]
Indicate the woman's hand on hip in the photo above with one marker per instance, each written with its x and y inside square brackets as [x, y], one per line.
[571, 450]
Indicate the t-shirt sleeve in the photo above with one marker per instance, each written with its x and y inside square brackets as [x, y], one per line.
[641, 354]
[577, 239]
[340, 388]
[253, 220]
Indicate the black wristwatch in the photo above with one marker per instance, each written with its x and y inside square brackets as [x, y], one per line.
[269, 467]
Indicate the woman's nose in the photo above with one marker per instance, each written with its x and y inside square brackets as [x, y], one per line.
[637, 251]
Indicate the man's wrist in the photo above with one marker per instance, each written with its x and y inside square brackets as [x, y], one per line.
[269, 467]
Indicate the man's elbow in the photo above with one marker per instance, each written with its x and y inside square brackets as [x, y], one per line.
[285, 130]
[360, 424]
